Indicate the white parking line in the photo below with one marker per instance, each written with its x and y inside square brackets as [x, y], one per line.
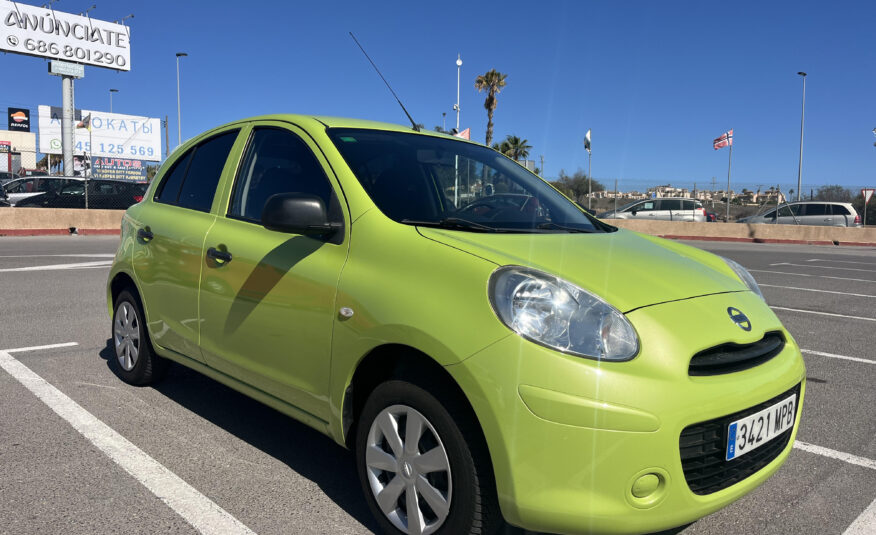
[814, 290]
[77, 255]
[198, 510]
[55, 267]
[823, 313]
[822, 267]
[833, 454]
[865, 524]
[835, 356]
[810, 275]
[39, 348]
[839, 261]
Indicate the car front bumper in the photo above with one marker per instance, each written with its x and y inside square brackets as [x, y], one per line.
[570, 437]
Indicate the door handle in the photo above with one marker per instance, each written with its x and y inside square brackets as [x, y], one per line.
[144, 234]
[221, 257]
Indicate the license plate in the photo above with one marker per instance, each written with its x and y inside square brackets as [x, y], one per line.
[749, 433]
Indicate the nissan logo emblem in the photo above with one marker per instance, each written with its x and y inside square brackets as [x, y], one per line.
[739, 318]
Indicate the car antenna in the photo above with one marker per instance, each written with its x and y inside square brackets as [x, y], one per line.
[416, 127]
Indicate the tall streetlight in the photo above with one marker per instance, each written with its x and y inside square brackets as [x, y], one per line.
[802, 116]
[178, 109]
[456, 106]
[111, 91]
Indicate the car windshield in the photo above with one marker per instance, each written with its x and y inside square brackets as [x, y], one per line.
[434, 181]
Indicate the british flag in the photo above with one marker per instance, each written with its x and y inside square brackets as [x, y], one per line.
[725, 140]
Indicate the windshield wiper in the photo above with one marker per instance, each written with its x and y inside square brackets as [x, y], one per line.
[550, 225]
[452, 222]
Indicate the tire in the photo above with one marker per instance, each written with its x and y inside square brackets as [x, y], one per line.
[455, 490]
[136, 361]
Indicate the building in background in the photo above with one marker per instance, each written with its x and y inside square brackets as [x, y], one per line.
[17, 150]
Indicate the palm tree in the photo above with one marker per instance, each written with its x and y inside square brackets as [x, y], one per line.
[492, 82]
[502, 147]
[518, 149]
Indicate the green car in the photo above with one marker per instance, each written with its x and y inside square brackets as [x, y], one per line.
[491, 353]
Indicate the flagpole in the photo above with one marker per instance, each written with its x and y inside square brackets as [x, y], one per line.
[729, 163]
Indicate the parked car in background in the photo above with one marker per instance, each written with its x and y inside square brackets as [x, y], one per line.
[818, 213]
[711, 217]
[492, 353]
[668, 209]
[102, 193]
[6, 176]
[22, 188]
[4, 201]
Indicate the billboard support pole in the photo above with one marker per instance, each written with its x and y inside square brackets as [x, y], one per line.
[67, 123]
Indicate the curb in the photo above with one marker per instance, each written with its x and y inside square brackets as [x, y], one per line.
[767, 240]
[59, 231]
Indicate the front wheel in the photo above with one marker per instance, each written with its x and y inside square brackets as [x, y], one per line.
[418, 472]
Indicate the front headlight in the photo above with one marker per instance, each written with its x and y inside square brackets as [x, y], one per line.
[746, 277]
[557, 314]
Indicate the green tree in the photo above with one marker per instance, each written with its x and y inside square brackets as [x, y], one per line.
[150, 171]
[576, 186]
[492, 82]
[518, 149]
[834, 193]
[502, 147]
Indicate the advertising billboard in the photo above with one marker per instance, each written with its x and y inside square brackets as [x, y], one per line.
[119, 169]
[52, 34]
[102, 135]
[19, 119]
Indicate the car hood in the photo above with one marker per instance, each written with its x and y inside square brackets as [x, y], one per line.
[628, 269]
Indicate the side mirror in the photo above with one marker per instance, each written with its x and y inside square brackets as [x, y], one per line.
[297, 213]
[634, 213]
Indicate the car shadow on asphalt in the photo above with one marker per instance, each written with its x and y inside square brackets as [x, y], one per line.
[311, 454]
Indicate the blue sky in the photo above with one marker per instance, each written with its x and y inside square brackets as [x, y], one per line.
[655, 81]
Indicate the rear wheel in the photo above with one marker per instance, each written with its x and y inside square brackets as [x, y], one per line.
[418, 472]
[138, 363]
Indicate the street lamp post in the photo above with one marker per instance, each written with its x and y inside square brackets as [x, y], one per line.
[802, 116]
[456, 106]
[111, 91]
[178, 109]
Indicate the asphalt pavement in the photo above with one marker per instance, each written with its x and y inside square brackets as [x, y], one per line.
[190, 454]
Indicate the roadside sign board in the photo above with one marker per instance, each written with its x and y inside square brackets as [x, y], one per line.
[867, 193]
[64, 68]
[19, 119]
[51, 34]
[102, 135]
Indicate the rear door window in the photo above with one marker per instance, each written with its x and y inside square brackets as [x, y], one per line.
[168, 190]
[199, 185]
[838, 209]
[670, 204]
[688, 205]
[816, 209]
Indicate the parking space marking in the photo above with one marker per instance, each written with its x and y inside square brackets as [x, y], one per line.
[839, 261]
[823, 313]
[38, 348]
[834, 356]
[833, 454]
[55, 267]
[195, 508]
[77, 255]
[810, 275]
[822, 267]
[814, 290]
[865, 524]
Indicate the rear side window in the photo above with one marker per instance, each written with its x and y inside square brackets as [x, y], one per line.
[816, 209]
[168, 190]
[199, 185]
[839, 209]
[671, 204]
[687, 205]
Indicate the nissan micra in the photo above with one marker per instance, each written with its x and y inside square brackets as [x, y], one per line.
[489, 352]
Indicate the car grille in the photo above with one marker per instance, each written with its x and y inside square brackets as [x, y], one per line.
[703, 450]
[731, 357]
